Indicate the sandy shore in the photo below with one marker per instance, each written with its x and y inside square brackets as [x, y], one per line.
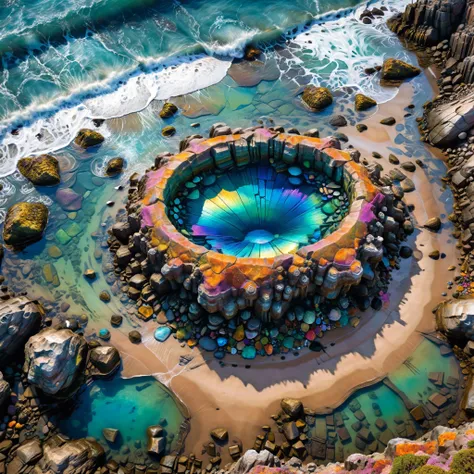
[242, 395]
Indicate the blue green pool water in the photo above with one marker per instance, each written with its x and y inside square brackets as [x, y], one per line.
[129, 405]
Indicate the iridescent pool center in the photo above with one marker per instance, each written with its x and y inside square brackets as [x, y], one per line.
[258, 212]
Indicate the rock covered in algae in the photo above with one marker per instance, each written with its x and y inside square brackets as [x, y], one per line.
[41, 170]
[362, 102]
[168, 131]
[398, 70]
[317, 98]
[168, 110]
[114, 166]
[87, 138]
[25, 223]
[54, 359]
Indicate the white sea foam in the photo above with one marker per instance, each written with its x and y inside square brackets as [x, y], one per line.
[343, 46]
[51, 126]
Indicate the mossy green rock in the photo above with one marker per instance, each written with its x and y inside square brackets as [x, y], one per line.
[62, 237]
[41, 170]
[168, 131]
[463, 462]
[429, 470]
[407, 463]
[398, 70]
[114, 166]
[317, 98]
[168, 110]
[25, 223]
[362, 102]
[87, 138]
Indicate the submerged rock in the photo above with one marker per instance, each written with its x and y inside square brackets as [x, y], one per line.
[25, 223]
[168, 110]
[251, 53]
[362, 102]
[397, 70]
[54, 359]
[87, 138]
[41, 170]
[168, 131]
[68, 199]
[317, 98]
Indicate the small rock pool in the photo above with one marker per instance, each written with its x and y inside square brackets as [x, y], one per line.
[130, 406]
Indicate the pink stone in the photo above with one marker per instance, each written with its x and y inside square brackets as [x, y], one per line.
[68, 199]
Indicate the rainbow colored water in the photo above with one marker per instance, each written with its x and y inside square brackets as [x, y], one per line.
[257, 212]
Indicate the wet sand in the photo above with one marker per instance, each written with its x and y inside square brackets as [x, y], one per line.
[242, 395]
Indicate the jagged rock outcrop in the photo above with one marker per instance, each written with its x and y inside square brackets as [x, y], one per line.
[19, 318]
[4, 391]
[447, 121]
[54, 359]
[252, 458]
[25, 223]
[41, 170]
[427, 22]
[395, 71]
[81, 456]
[455, 319]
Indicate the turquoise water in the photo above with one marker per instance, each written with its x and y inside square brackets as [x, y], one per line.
[129, 406]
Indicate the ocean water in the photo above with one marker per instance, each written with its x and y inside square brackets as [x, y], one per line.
[66, 63]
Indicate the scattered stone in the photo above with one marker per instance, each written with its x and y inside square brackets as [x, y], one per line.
[361, 127]
[90, 274]
[338, 121]
[388, 121]
[168, 131]
[220, 434]
[433, 224]
[116, 320]
[110, 434]
[434, 254]
[135, 337]
[168, 110]
[104, 296]
[396, 71]
[114, 166]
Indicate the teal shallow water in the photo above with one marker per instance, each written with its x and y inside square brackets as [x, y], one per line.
[130, 406]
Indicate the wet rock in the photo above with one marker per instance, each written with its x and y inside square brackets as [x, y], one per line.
[41, 170]
[396, 71]
[114, 166]
[68, 199]
[338, 121]
[105, 359]
[405, 252]
[292, 407]
[455, 319]
[104, 296]
[54, 359]
[434, 255]
[110, 434]
[361, 127]
[317, 98]
[168, 131]
[156, 442]
[362, 102]
[29, 452]
[81, 456]
[388, 121]
[251, 53]
[408, 185]
[220, 434]
[90, 274]
[135, 337]
[168, 110]
[87, 138]
[24, 224]
[408, 166]
[19, 318]
[393, 159]
[116, 320]
[433, 224]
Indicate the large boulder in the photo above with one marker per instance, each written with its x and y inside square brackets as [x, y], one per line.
[25, 223]
[41, 170]
[446, 122]
[87, 138]
[105, 360]
[317, 98]
[19, 318]
[54, 359]
[252, 458]
[455, 319]
[81, 456]
[396, 70]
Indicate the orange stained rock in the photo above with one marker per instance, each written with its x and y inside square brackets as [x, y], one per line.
[380, 465]
[239, 333]
[413, 448]
[448, 436]
[345, 257]
[219, 262]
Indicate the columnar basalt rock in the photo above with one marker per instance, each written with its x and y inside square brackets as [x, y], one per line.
[154, 257]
